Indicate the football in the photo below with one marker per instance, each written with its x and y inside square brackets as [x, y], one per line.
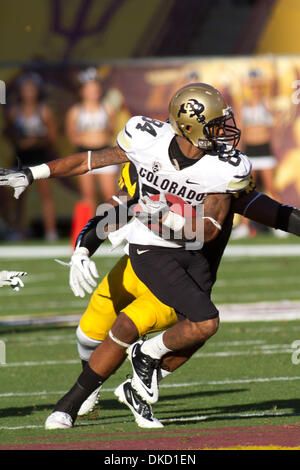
[178, 207]
[175, 203]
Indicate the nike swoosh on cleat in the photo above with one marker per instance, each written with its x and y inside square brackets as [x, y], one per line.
[147, 390]
[136, 405]
[151, 394]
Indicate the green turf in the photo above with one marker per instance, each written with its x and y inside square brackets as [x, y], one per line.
[239, 280]
[244, 376]
[47, 288]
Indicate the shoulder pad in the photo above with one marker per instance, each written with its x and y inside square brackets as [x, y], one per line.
[139, 133]
[241, 172]
[251, 187]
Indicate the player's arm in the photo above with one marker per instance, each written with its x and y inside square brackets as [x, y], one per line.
[262, 209]
[111, 215]
[216, 209]
[207, 224]
[73, 165]
[203, 226]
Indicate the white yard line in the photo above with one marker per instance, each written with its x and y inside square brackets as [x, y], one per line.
[258, 281]
[252, 380]
[231, 382]
[260, 311]
[276, 349]
[45, 252]
[239, 312]
[65, 251]
[255, 352]
[40, 363]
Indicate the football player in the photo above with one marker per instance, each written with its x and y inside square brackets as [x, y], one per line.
[213, 138]
[121, 285]
[12, 279]
[120, 291]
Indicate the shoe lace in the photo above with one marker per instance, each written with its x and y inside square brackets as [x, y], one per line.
[147, 367]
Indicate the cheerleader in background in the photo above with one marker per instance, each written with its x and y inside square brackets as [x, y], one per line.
[32, 130]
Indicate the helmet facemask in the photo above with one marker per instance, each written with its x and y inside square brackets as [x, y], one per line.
[222, 133]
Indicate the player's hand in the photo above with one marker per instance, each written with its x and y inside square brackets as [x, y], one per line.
[12, 278]
[82, 273]
[154, 208]
[19, 180]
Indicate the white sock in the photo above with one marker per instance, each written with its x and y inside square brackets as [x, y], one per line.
[162, 373]
[155, 347]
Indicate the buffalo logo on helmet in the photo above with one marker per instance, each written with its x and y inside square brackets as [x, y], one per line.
[194, 108]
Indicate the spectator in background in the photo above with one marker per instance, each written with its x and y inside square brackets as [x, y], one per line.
[255, 119]
[90, 126]
[32, 130]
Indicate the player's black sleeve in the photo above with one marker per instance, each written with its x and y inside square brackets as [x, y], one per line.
[113, 215]
[88, 237]
[267, 211]
[110, 218]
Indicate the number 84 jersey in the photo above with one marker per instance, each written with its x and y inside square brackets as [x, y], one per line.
[147, 143]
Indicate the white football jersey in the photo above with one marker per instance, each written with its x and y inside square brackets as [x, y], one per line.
[146, 142]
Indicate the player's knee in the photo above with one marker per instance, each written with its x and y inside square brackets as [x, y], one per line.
[85, 344]
[124, 329]
[205, 329]
[213, 326]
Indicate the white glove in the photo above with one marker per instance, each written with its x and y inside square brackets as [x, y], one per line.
[19, 180]
[12, 278]
[82, 272]
[154, 208]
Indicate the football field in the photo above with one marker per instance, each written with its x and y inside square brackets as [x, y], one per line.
[241, 390]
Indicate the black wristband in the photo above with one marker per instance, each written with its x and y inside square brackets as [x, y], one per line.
[29, 175]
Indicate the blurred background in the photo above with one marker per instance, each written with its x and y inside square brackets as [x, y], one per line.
[76, 70]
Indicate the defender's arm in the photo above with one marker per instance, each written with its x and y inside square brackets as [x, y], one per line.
[265, 210]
